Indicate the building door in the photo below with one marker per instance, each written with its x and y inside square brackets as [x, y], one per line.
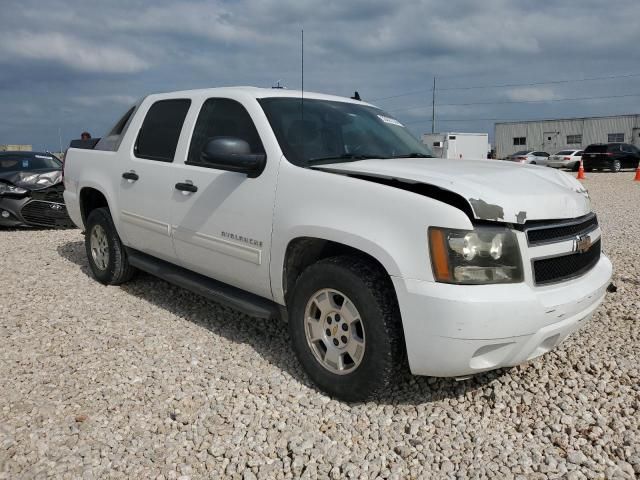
[635, 137]
[550, 142]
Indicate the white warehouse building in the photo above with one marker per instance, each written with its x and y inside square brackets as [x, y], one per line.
[554, 135]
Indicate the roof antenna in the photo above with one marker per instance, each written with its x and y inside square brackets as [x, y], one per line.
[277, 85]
[356, 96]
[302, 87]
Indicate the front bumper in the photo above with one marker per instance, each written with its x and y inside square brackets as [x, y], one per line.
[458, 330]
[28, 211]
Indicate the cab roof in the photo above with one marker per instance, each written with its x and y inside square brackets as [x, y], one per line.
[258, 93]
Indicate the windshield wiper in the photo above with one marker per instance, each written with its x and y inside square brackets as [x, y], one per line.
[413, 155]
[347, 156]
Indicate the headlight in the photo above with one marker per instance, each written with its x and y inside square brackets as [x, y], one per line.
[6, 188]
[480, 256]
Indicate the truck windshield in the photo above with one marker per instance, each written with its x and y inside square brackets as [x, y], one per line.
[333, 132]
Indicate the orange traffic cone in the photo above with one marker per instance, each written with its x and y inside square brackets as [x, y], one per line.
[580, 175]
[637, 177]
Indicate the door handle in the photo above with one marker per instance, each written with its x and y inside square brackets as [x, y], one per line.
[133, 176]
[186, 187]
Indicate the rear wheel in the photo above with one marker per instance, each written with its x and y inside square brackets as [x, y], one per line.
[616, 166]
[105, 252]
[345, 327]
[533, 163]
[576, 167]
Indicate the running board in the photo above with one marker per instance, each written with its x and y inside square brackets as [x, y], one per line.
[249, 303]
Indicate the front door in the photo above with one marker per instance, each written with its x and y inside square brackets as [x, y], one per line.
[223, 228]
[146, 184]
[550, 142]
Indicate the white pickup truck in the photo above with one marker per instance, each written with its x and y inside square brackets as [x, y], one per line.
[328, 213]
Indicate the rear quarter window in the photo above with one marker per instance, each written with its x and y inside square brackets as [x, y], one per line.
[112, 140]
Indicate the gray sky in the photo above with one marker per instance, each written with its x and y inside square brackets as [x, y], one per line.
[77, 65]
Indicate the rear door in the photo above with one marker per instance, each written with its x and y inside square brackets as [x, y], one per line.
[146, 184]
[223, 229]
[541, 158]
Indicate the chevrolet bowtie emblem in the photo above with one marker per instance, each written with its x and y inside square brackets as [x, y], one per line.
[583, 243]
[335, 329]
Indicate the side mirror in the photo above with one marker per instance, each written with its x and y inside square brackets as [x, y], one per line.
[232, 154]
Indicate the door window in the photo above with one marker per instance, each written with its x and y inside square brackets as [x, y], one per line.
[160, 132]
[222, 117]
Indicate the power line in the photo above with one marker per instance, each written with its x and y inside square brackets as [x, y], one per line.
[506, 102]
[505, 85]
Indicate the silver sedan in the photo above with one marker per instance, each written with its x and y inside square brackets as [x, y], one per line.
[532, 157]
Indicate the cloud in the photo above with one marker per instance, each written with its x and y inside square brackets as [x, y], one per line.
[76, 53]
[95, 101]
[79, 63]
[528, 94]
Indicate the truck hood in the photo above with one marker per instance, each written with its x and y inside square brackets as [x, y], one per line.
[495, 190]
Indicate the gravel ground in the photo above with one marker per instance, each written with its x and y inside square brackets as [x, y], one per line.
[150, 381]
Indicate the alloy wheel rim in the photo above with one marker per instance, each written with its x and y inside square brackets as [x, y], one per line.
[99, 247]
[334, 331]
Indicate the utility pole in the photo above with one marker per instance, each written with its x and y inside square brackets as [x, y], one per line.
[433, 107]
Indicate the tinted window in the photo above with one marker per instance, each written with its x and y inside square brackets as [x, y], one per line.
[565, 152]
[158, 137]
[221, 117]
[613, 148]
[111, 141]
[522, 152]
[579, 154]
[22, 163]
[330, 131]
[600, 148]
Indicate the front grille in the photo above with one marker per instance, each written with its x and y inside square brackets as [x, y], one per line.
[556, 269]
[559, 231]
[46, 214]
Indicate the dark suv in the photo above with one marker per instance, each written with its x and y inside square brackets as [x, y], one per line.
[613, 156]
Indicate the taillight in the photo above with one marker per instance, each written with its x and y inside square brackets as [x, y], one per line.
[567, 158]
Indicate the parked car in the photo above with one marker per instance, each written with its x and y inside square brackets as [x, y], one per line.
[566, 159]
[610, 156]
[531, 157]
[342, 224]
[31, 190]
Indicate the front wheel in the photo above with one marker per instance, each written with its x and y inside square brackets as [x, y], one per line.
[345, 327]
[576, 167]
[105, 252]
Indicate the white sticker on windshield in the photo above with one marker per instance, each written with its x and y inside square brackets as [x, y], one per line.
[25, 163]
[42, 156]
[390, 120]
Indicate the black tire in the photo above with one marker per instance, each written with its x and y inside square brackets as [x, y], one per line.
[576, 167]
[533, 163]
[117, 269]
[616, 166]
[370, 289]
